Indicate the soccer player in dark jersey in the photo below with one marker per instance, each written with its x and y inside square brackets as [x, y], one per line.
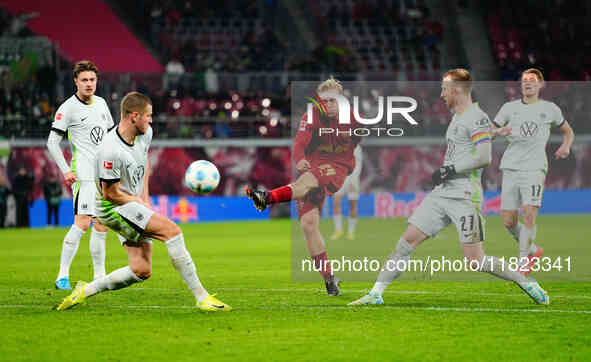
[323, 152]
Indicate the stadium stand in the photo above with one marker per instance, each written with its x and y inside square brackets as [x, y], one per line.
[219, 65]
[552, 35]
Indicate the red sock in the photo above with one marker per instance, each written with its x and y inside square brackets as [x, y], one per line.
[280, 194]
[321, 264]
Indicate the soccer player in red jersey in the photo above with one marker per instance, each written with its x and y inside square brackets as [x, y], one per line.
[323, 152]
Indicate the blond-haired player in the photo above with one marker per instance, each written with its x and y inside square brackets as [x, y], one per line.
[122, 173]
[323, 161]
[526, 123]
[456, 197]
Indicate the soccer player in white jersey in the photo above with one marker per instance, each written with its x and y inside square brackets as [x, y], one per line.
[351, 188]
[122, 173]
[85, 118]
[526, 123]
[456, 197]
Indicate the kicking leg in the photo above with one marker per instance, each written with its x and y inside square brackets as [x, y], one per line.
[294, 191]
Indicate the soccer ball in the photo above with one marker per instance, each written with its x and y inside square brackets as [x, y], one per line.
[202, 177]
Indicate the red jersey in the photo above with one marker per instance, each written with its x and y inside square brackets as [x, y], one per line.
[326, 140]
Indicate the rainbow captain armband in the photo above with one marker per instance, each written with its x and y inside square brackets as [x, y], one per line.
[319, 104]
[480, 137]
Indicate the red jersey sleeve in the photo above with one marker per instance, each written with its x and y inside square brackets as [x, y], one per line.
[302, 140]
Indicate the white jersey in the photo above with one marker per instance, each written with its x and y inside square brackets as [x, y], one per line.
[85, 126]
[117, 160]
[530, 125]
[464, 132]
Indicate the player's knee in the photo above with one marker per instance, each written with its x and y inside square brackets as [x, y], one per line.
[172, 230]
[472, 260]
[304, 184]
[169, 230]
[142, 270]
[529, 216]
[100, 227]
[83, 222]
[509, 222]
[309, 224]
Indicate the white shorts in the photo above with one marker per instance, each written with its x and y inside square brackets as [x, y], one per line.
[435, 213]
[522, 188]
[352, 183]
[84, 193]
[129, 220]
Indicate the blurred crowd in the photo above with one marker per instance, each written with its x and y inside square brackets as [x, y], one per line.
[554, 35]
[228, 69]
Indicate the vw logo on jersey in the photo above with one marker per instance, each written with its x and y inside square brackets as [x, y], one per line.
[96, 135]
[528, 129]
[138, 173]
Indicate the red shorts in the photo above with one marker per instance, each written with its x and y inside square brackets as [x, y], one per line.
[331, 177]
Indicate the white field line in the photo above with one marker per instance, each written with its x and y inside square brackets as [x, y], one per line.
[344, 307]
[308, 290]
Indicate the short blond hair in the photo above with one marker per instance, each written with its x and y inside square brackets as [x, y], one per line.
[330, 84]
[535, 71]
[461, 76]
[134, 102]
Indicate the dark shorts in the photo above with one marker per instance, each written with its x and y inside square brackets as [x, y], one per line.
[331, 177]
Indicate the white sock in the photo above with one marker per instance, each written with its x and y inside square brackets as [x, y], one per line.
[515, 231]
[338, 222]
[389, 269]
[524, 238]
[494, 266]
[532, 246]
[69, 249]
[120, 278]
[98, 252]
[352, 224]
[183, 263]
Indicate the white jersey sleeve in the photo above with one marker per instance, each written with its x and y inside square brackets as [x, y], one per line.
[558, 118]
[479, 128]
[62, 119]
[502, 117]
[108, 164]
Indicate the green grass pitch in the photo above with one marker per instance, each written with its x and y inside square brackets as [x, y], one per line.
[248, 264]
